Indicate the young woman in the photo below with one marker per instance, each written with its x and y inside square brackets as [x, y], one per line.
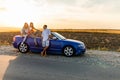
[25, 31]
[34, 33]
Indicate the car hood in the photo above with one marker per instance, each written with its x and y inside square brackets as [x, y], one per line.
[75, 41]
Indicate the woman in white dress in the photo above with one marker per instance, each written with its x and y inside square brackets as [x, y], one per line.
[25, 31]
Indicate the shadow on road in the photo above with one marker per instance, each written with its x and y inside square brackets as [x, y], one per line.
[34, 67]
[56, 67]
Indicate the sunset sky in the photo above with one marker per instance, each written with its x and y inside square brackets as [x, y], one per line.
[65, 14]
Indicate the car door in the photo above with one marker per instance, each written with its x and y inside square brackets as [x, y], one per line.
[32, 45]
[55, 46]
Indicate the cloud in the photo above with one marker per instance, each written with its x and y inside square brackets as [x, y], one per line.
[92, 3]
[64, 2]
[94, 10]
[37, 3]
[2, 9]
[69, 12]
[103, 6]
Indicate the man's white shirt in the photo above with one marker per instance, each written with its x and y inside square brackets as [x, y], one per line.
[45, 34]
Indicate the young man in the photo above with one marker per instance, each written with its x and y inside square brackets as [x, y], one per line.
[45, 39]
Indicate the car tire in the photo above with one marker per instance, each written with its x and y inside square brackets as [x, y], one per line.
[23, 48]
[68, 51]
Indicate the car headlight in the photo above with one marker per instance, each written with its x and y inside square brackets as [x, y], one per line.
[81, 45]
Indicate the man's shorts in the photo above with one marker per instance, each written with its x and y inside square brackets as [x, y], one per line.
[45, 43]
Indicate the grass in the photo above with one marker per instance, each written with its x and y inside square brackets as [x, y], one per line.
[103, 48]
[113, 31]
[93, 40]
[6, 38]
[118, 50]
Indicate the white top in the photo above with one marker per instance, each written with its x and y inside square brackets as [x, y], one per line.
[45, 34]
[25, 31]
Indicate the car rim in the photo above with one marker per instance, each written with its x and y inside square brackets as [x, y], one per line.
[23, 47]
[68, 51]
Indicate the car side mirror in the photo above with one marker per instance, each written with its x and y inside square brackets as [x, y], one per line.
[54, 38]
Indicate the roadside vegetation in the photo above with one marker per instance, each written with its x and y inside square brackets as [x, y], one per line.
[93, 40]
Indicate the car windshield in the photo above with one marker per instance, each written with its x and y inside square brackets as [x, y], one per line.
[59, 35]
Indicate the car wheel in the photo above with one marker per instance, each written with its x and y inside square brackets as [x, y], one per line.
[68, 51]
[23, 48]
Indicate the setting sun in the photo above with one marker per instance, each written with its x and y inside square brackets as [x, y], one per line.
[18, 12]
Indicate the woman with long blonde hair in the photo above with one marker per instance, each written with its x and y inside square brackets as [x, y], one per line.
[25, 31]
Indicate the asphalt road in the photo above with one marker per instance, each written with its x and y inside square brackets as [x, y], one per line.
[34, 67]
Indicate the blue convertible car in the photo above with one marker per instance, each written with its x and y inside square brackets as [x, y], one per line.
[58, 45]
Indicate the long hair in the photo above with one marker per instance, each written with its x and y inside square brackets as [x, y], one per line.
[25, 25]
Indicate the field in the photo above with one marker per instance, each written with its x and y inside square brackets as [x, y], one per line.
[93, 39]
[9, 29]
